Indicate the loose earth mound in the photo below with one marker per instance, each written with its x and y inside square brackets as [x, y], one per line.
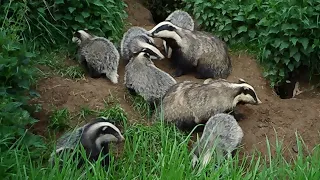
[274, 117]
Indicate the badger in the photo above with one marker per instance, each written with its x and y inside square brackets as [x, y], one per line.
[142, 77]
[136, 39]
[195, 51]
[188, 103]
[98, 55]
[94, 138]
[222, 133]
[181, 19]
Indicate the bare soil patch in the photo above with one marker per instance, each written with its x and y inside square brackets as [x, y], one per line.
[285, 116]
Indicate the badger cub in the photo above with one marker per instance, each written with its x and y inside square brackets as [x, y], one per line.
[98, 55]
[195, 51]
[181, 19]
[222, 133]
[188, 104]
[94, 137]
[142, 77]
[136, 39]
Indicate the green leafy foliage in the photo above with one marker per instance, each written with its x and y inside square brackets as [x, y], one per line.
[289, 38]
[53, 22]
[16, 77]
[286, 32]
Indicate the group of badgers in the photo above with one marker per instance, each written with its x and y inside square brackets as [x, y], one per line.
[186, 104]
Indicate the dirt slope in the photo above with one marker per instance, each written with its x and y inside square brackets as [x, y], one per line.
[284, 116]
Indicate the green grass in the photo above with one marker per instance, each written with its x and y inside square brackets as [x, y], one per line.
[57, 62]
[140, 105]
[161, 152]
[59, 119]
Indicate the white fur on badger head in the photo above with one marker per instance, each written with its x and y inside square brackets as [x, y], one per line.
[80, 36]
[101, 132]
[168, 30]
[181, 19]
[247, 93]
[154, 52]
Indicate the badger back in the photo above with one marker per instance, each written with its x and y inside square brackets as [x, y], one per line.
[225, 130]
[146, 79]
[100, 52]
[181, 19]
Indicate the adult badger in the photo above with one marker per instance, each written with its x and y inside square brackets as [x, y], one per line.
[188, 104]
[195, 50]
[136, 39]
[94, 137]
[222, 133]
[98, 55]
[142, 77]
[181, 19]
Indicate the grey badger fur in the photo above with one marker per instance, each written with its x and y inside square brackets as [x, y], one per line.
[195, 50]
[144, 78]
[222, 133]
[98, 55]
[136, 39]
[94, 137]
[188, 103]
[181, 19]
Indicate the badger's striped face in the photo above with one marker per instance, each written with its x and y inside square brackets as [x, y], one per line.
[167, 30]
[80, 36]
[246, 94]
[103, 132]
[152, 50]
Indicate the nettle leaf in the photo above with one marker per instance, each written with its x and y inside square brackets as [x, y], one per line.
[252, 33]
[304, 42]
[79, 19]
[252, 16]
[284, 45]
[294, 40]
[286, 61]
[293, 51]
[71, 9]
[85, 14]
[291, 67]
[281, 72]
[297, 56]
[287, 26]
[98, 3]
[242, 29]
[266, 53]
[276, 43]
[59, 1]
[239, 18]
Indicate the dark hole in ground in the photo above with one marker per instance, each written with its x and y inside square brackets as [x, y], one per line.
[285, 90]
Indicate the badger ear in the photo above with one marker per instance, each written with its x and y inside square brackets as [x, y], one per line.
[240, 81]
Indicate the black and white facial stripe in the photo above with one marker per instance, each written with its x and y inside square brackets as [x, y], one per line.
[246, 93]
[81, 35]
[166, 30]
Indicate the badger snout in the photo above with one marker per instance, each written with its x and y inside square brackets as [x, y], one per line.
[121, 138]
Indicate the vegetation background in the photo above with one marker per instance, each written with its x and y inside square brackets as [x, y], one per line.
[283, 34]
